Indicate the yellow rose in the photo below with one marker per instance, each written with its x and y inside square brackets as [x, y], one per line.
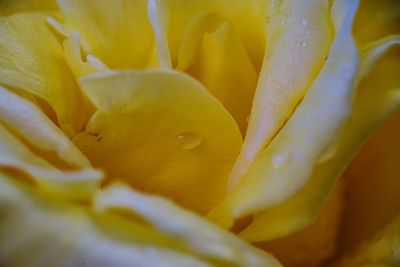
[199, 133]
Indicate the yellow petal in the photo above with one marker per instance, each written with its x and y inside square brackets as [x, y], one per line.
[80, 63]
[378, 97]
[41, 230]
[171, 17]
[159, 21]
[213, 53]
[298, 39]
[164, 133]
[382, 251]
[118, 32]
[73, 184]
[371, 206]
[25, 119]
[32, 60]
[285, 166]
[313, 244]
[213, 243]
[376, 20]
[10, 7]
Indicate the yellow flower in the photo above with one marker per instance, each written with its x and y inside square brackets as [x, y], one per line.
[199, 133]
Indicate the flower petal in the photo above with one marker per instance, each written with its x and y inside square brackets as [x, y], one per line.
[376, 20]
[171, 17]
[381, 251]
[164, 133]
[285, 166]
[298, 39]
[212, 243]
[377, 99]
[32, 60]
[10, 7]
[213, 53]
[41, 230]
[33, 126]
[117, 32]
[315, 243]
[73, 184]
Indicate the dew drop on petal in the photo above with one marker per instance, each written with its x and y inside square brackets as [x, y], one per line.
[279, 160]
[303, 44]
[189, 140]
[304, 23]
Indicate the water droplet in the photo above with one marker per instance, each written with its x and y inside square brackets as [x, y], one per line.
[304, 23]
[248, 118]
[303, 44]
[189, 140]
[280, 160]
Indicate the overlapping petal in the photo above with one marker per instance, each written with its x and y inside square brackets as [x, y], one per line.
[32, 61]
[381, 251]
[102, 237]
[116, 32]
[165, 133]
[377, 99]
[285, 166]
[298, 40]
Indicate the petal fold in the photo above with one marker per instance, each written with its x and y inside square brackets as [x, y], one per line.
[165, 133]
[32, 61]
[285, 166]
[298, 40]
[116, 32]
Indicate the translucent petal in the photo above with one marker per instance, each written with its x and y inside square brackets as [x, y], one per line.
[32, 60]
[73, 184]
[33, 126]
[117, 32]
[164, 133]
[377, 99]
[285, 166]
[170, 19]
[298, 40]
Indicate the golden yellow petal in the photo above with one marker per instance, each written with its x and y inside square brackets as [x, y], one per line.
[32, 60]
[377, 98]
[213, 53]
[376, 20]
[10, 7]
[171, 17]
[285, 166]
[381, 251]
[164, 133]
[313, 244]
[298, 40]
[117, 32]
[369, 207]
